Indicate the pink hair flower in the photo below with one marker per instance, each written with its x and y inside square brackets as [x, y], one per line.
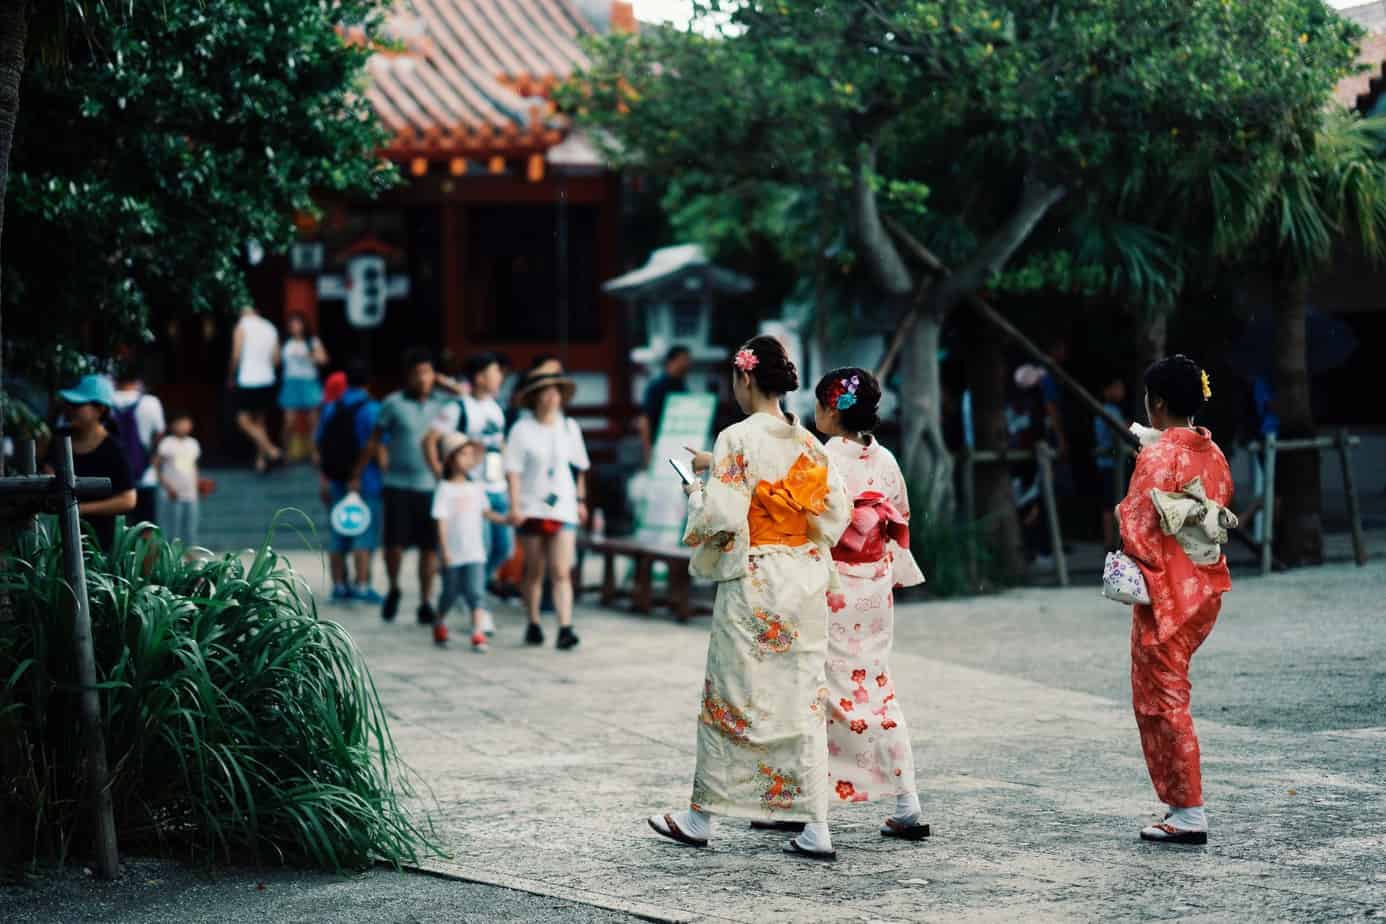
[745, 360]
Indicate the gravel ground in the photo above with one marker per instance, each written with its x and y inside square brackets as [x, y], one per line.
[538, 767]
[157, 892]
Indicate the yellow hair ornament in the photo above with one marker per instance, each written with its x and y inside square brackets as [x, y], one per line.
[1207, 384]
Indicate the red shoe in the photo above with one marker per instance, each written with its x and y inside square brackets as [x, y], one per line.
[440, 633]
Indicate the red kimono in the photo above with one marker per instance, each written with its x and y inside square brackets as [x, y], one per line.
[1184, 603]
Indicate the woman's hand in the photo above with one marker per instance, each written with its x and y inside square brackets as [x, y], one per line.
[702, 461]
[515, 518]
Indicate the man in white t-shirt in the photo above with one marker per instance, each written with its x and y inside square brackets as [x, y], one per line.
[251, 377]
[480, 417]
[145, 414]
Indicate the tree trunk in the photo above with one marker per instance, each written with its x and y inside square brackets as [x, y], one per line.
[14, 22]
[1299, 503]
[1150, 346]
[927, 463]
[986, 379]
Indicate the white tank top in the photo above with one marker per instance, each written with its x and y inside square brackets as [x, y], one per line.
[297, 356]
[259, 338]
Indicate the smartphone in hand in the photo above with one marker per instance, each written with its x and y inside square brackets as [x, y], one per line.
[683, 470]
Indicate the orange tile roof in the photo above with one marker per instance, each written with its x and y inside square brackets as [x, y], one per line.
[473, 75]
[1358, 90]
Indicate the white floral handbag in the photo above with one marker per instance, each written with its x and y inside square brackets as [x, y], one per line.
[1122, 580]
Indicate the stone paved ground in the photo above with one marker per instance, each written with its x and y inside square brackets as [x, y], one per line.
[543, 765]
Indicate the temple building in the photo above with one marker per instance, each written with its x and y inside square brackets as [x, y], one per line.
[499, 237]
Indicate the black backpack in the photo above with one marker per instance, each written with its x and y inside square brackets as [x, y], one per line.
[339, 447]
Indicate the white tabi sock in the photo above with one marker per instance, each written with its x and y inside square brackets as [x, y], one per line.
[694, 824]
[907, 809]
[1188, 819]
[815, 837]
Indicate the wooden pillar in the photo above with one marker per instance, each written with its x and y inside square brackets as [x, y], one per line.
[1359, 542]
[1045, 457]
[614, 322]
[1268, 505]
[969, 506]
[301, 297]
[89, 703]
[452, 256]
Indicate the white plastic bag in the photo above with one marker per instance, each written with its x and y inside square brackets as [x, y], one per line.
[350, 516]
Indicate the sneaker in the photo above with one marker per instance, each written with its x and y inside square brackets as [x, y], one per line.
[366, 594]
[485, 622]
[340, 593]
[534, 635]
[426, 615]
[567, 638]
[479, 643]
[440, 633]
[390, 607]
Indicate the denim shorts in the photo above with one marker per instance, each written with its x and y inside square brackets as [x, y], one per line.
[466, 583]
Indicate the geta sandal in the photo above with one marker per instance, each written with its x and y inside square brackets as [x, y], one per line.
[794, 827]
[674, 833]
[823, 856]
[1164, 833]
[914, 832]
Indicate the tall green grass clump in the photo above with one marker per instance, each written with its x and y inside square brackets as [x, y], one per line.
[238, 724]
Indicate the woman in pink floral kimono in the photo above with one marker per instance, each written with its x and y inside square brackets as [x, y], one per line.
[869, 753]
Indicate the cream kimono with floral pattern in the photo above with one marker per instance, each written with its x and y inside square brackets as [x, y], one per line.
[869, 751]
[762, 750]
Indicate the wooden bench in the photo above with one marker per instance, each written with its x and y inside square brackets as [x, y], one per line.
[644, 556]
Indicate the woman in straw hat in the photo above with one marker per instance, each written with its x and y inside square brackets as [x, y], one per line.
[546, 468]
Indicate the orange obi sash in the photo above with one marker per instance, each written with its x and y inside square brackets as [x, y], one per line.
[780, 510]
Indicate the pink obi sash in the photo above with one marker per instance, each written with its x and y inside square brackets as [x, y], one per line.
[874, 520]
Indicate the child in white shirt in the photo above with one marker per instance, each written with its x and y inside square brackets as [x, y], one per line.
[175, 461]
[461, 507]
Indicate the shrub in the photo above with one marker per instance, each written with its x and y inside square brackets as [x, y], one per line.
[237, 722]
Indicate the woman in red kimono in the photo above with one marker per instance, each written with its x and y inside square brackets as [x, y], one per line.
[1184, 597]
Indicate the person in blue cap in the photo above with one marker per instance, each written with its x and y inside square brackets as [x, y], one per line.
[96, 453]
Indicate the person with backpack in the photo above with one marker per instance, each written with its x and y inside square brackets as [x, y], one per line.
[344, 429]
[139, 424]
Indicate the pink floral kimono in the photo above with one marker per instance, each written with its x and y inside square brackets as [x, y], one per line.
[869, 755]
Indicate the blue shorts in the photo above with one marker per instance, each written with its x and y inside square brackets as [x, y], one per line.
[300, 394]
[368, 541]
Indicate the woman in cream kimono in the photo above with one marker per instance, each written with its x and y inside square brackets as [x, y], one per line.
[763, 528]
[869, 753]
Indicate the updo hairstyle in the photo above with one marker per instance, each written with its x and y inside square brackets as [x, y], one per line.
[774, 374]
[864, 414]
[1177, 380]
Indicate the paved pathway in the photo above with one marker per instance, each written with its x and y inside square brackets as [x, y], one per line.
[544, 764]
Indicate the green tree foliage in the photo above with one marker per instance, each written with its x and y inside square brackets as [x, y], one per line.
[987, 129]
[1327, 188]
[159, 145]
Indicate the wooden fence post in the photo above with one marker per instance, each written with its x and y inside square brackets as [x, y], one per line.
[1359, 542]
[93, 737]
[1044, 455]
[969, 499]
[1268, 504]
